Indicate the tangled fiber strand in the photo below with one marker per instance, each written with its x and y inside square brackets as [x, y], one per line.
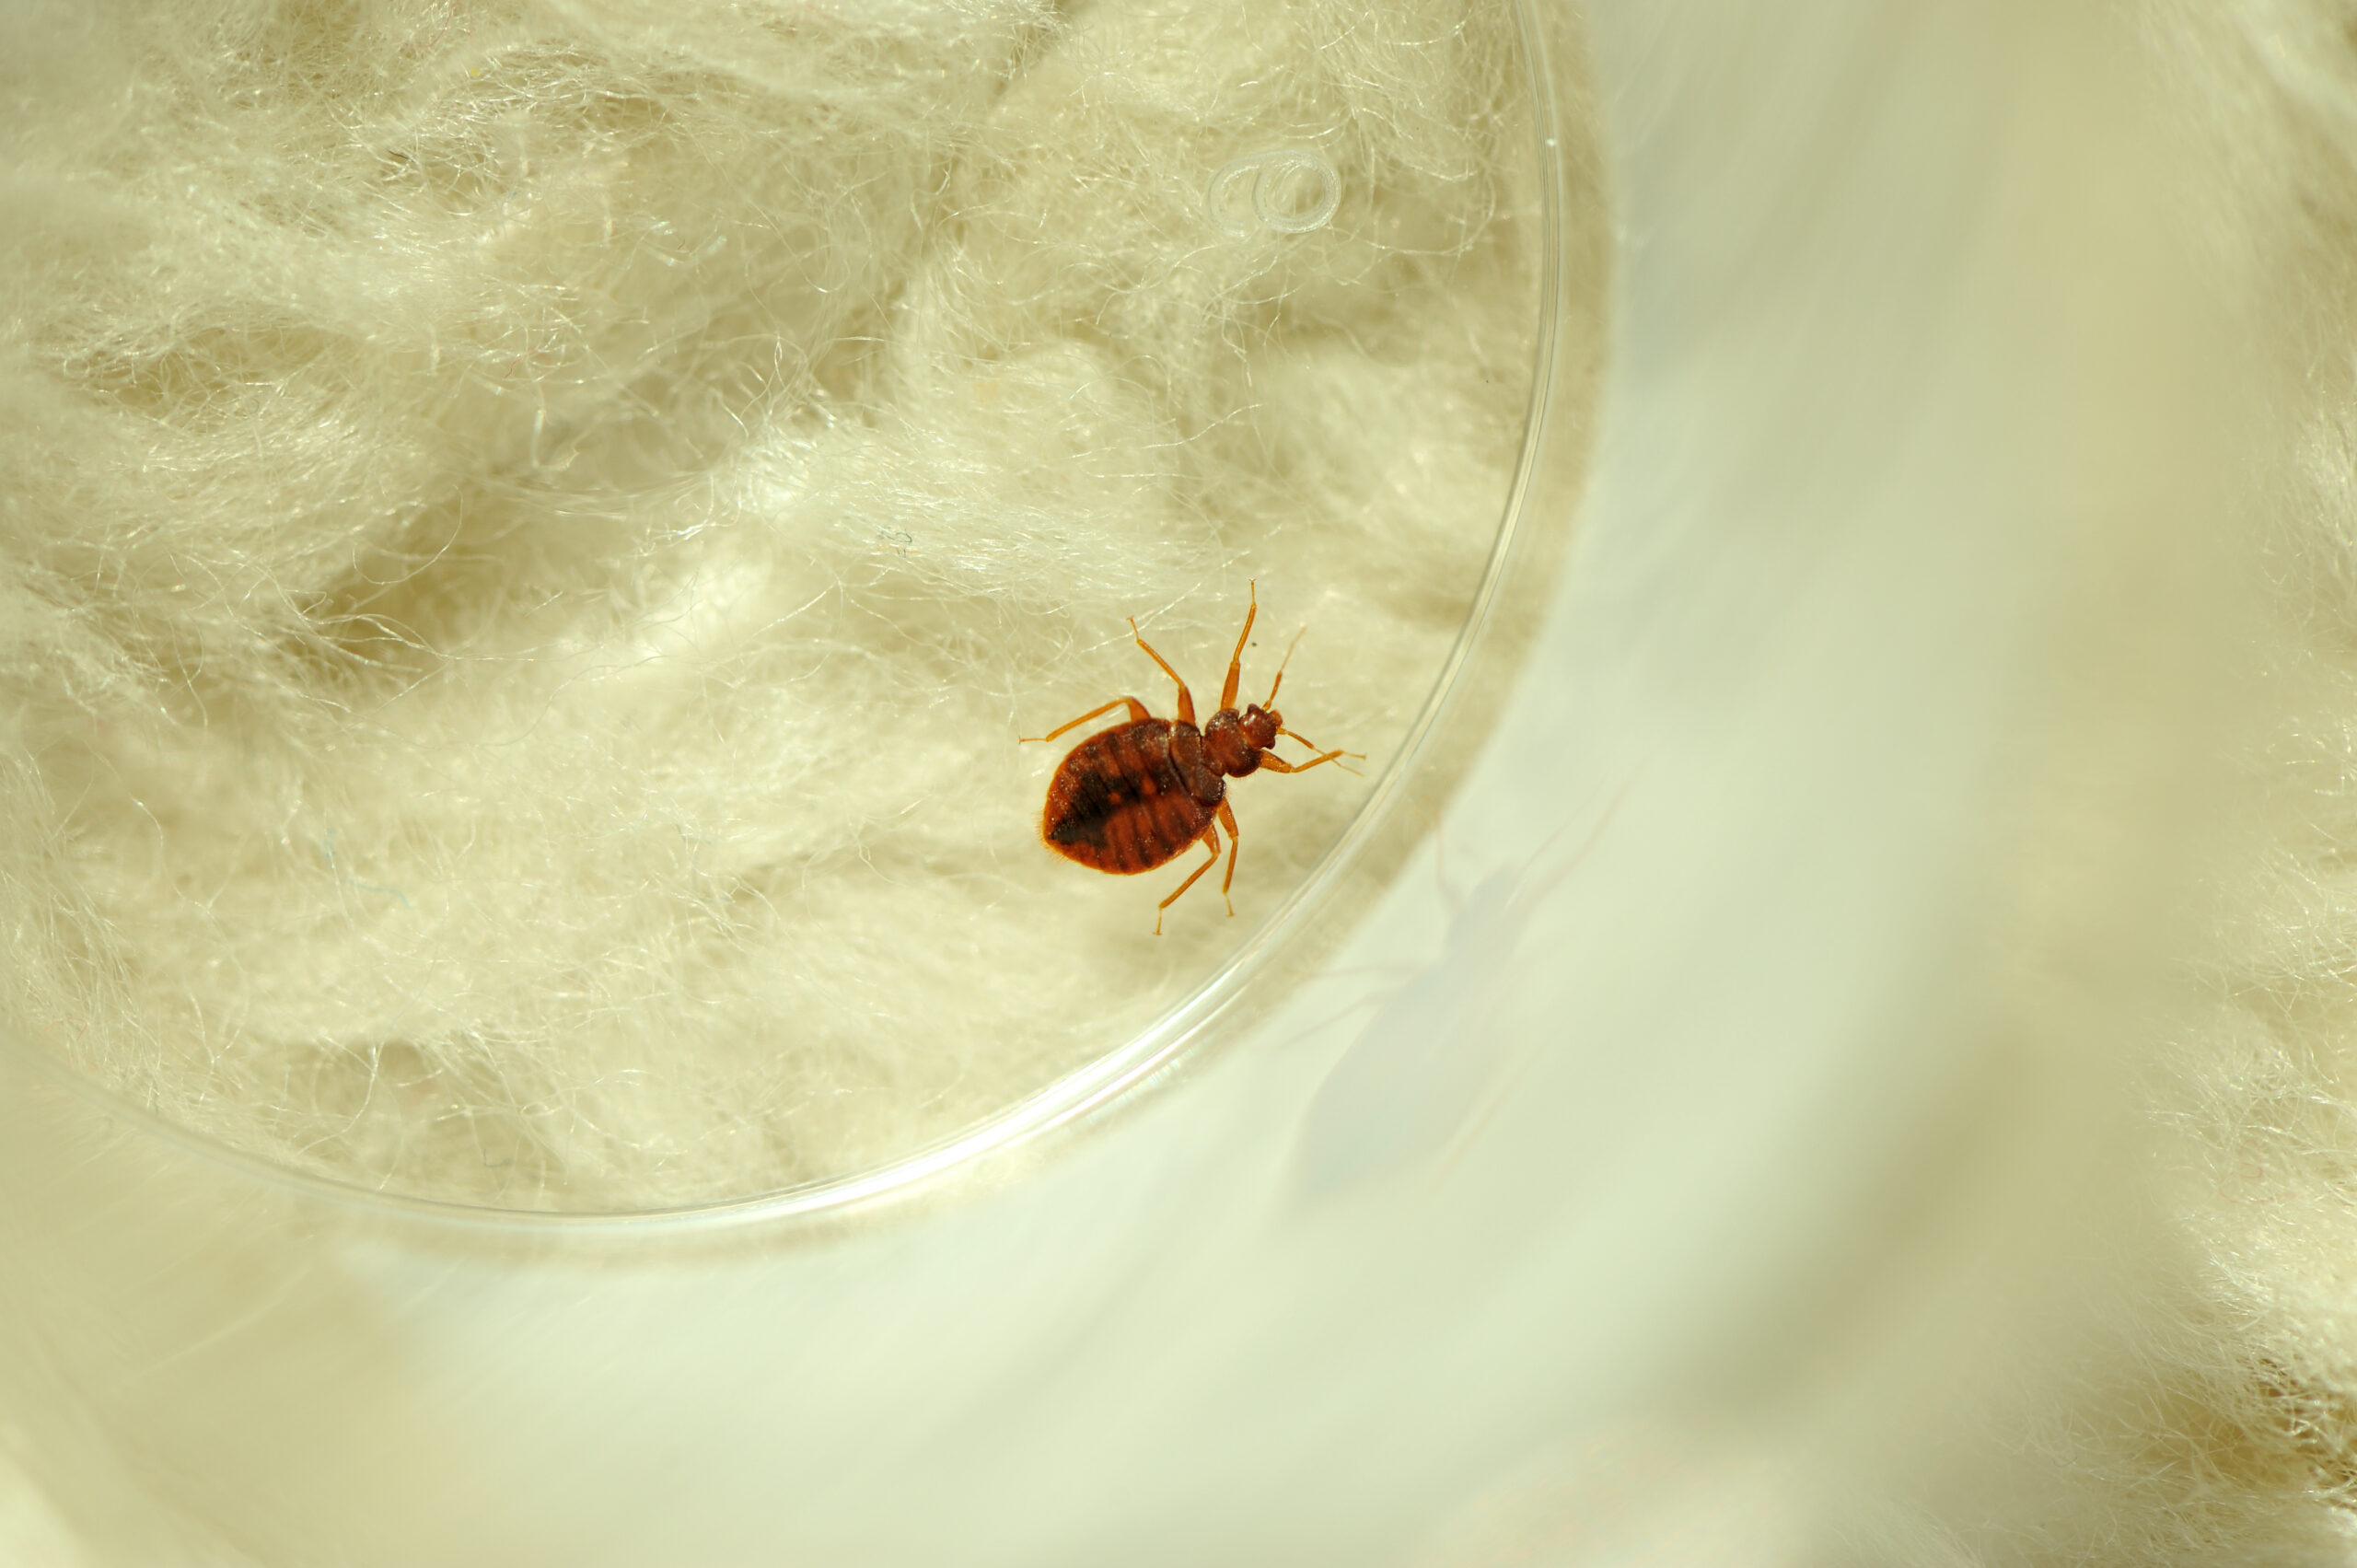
[529, 531]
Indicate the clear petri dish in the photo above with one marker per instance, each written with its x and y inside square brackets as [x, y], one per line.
[586, 525]
[1774, 1072]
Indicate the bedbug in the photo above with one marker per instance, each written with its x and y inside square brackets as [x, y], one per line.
[1134, 796]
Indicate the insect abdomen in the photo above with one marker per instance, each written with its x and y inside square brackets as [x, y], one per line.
[1119, 804]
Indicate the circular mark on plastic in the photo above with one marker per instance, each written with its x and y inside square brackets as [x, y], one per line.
[1290, 189]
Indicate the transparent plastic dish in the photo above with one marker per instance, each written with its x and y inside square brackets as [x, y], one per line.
[1635, 1132]
[1449, 276]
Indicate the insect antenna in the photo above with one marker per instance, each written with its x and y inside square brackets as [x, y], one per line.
[1355, 756]
[1296, 735]
[1280, 680]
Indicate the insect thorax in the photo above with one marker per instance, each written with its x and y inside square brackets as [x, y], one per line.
[1194, 759]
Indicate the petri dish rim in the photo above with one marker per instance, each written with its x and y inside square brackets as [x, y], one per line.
[1101, 1086]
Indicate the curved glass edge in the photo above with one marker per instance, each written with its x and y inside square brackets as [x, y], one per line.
[1545, 488]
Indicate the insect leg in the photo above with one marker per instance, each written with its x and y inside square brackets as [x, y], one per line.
[1236, 663]
[1234, 843]
[1186, 698]
[1210, 841]
[1137, 712]
[1270, 760]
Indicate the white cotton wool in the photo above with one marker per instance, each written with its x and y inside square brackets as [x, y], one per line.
[532, 529]
[2213, 1420]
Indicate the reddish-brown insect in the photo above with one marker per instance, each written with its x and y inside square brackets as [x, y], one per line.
[1133, 798]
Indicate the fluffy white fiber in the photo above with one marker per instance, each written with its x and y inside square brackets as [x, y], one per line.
[2211, 1419]
[529, 529]
[2259, 1374]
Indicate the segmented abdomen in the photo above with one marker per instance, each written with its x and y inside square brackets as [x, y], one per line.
[1117, 802]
